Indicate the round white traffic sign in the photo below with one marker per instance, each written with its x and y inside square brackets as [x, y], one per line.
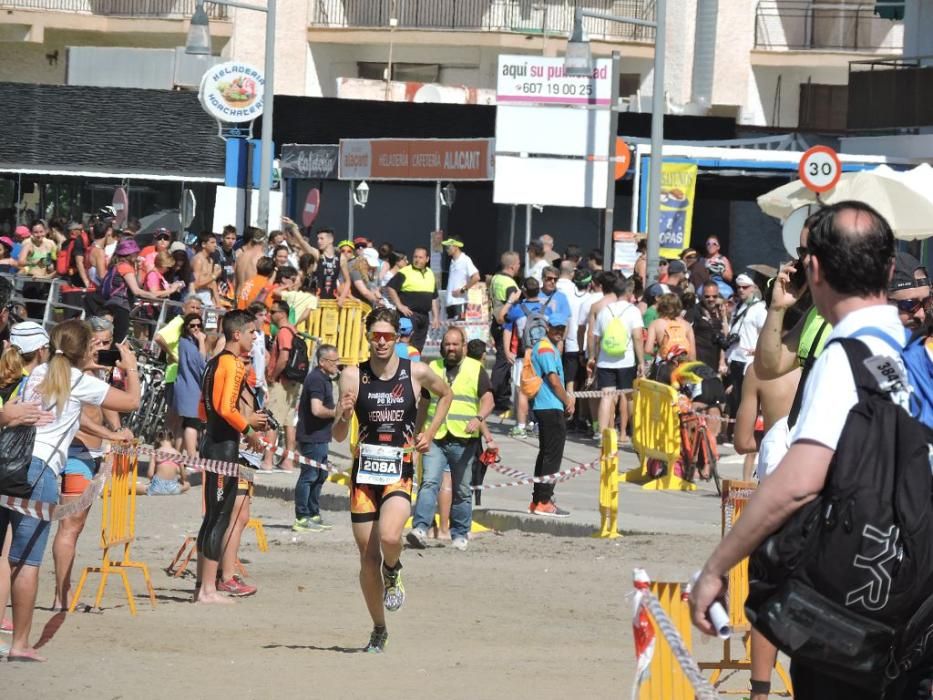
[819, 169]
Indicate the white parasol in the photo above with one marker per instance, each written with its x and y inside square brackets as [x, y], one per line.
[905, 199]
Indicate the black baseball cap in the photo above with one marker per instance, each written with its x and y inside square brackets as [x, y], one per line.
[905, 265]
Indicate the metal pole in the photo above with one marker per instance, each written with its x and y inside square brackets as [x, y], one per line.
[265, 164]
[350, 215]
[437, 206]
[608, 226]
[527, 233]
[657, 144]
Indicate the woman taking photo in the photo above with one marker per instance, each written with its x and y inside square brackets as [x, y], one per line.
[192, 359]
[61, 387]
[84, 458]
[120, 287]
[29, 346]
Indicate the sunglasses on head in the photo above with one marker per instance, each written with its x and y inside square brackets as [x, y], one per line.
[385, 336]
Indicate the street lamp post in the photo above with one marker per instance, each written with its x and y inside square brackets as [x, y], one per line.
[578, 62]
[199, 44]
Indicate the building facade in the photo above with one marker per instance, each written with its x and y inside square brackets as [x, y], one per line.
[775, 63]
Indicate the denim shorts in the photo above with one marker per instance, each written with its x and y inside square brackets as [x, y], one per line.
[30, 535]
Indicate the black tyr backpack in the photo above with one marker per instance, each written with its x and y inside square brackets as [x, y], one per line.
[297, 364]
[846, 585]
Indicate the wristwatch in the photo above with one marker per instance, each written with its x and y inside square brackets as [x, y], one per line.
[479, 418]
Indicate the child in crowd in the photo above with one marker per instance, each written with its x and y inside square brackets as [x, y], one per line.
[166, 475]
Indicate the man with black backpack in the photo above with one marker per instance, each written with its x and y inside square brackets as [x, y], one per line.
[841, 534]
[285, 373]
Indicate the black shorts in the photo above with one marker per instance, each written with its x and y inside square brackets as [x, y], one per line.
[615, 378]
[712, 393]
[195, 423]
[571, 363]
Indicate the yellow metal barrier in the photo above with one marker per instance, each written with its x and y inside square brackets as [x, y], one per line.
[666, 680]
[609, 486]
[342, 327]
[656, 435]
[735, 495]
[118, 527]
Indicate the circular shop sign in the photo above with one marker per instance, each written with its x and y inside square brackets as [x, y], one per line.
[819, 169]
[232, 92]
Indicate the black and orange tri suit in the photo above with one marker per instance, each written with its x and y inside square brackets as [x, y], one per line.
[221, 386]
[386, 410]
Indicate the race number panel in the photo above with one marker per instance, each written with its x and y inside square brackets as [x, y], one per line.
[380, 465]
[819, 169]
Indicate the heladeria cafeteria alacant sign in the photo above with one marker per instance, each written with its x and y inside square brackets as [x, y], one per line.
[232, 92]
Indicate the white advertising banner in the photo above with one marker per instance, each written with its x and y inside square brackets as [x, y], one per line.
[552, 131]
[529, 79]
[552, 182]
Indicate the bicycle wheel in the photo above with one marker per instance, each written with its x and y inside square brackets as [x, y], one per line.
[709, 457]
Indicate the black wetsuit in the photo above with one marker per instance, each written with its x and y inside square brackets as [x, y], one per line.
[221, 387]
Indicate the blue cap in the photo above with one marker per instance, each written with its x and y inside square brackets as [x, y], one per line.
[405, 326]
[557, 318]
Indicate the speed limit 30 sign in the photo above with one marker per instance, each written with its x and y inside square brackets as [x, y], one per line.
[819, 169]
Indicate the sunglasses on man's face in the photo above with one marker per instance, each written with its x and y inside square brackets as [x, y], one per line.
[384, 336]
[710, 296]
[550, 279]
[911, 306]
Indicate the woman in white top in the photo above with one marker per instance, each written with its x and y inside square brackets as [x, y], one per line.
[62, 388]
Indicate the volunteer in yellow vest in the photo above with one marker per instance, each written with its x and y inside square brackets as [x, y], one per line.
[413, 291]
[456, 444]
[502, 287]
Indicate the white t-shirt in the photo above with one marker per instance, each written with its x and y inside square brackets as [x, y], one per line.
[257, 355]
[631, 318]
[537, 270]
[461, 270]
[52, 440]
[585, 308]
[575, 300]
[748, 327]
[830, 390]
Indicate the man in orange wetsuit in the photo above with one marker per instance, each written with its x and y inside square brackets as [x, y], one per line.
[221, 387]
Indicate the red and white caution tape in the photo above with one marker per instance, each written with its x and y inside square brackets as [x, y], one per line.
[564, 475]
[599, 393]
[704, 691]
[642, 629]
[52, 512]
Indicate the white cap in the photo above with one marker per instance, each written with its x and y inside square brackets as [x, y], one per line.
[372, 256]
[744, 280]
[28, 336]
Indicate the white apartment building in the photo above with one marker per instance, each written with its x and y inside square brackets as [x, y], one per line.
[778, 63]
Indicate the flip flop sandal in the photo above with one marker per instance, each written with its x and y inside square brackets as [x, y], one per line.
[31, 657]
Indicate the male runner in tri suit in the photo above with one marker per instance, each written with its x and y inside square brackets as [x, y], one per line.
[223, 382]
[384, 393]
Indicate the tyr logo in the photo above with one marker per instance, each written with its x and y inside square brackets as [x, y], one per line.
[874, 594]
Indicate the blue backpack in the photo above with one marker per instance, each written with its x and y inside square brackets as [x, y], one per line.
[919, 368]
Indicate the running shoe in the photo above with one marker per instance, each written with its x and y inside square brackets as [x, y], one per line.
[461, 544]
[550, 508]
[377, 640]
[319, 521]
[417, 538]
[236, 587]
[395, 590]
[532, 428]
[517, 432]
[306, 525]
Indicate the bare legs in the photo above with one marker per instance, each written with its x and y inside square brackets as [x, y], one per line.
[63, 552]
[380, 542]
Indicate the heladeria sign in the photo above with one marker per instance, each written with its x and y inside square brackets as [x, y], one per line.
[232, 92]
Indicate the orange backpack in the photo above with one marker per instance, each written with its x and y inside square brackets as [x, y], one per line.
[530, 383]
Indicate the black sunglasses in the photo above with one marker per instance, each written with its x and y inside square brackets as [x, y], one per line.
[550, 279]
[910, 306]
[195, 325]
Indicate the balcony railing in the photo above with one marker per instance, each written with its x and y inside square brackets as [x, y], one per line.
[890, 94]
[163, 9]
[836, 25]
[553, 17]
